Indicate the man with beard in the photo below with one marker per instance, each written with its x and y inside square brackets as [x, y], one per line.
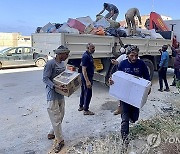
[137, 67]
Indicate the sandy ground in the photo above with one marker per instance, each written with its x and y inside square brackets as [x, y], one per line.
[25, 123]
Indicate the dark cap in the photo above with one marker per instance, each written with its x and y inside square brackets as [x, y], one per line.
[61, 49]
[165, 47]
[132, 48]
[105, 5]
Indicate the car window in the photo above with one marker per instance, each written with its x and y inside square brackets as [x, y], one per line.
[12, 51]
[19, 51]
[27, 50]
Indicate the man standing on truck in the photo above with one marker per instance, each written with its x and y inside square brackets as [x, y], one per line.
[112, 9]
[55, 101]
[87, 74]
[129, 16]
[162, 71]
[137, 67]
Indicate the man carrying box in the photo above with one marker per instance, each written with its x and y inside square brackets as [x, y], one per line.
[55, 100]
[136, 67]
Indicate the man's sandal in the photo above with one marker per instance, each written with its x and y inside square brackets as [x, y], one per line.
[59, 147]
[50, 136]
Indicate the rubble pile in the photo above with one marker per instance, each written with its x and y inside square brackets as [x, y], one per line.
[102, 26]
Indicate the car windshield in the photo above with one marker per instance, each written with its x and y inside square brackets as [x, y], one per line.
[4, 50]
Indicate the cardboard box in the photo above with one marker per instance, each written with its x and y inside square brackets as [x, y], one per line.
[130, 89]
[68, 79]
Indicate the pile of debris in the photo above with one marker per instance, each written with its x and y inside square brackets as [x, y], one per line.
[102, 26]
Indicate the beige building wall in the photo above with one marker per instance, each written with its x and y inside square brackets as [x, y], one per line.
[24, 41]
[14, 40]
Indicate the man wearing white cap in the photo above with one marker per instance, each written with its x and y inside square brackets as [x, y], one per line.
[55, 101]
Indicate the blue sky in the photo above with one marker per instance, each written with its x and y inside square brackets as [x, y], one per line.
[25, 16]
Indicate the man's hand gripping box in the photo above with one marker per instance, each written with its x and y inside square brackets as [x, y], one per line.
[130, 89]
[67, 82]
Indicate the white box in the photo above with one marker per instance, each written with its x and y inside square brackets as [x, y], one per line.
[130, 89]
[68, 79]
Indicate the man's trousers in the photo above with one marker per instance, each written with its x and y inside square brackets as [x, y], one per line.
[56, 109]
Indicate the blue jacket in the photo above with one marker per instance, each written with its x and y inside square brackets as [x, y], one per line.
[164, 59]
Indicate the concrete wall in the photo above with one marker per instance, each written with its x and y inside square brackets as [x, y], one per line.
[14, 40]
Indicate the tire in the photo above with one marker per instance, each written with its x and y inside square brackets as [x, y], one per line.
[40, 62]
[0, 65]
[150, 67]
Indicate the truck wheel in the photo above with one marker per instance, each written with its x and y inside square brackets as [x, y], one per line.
[0, 65]
[113, 69]
[150, 67]
[40, 62]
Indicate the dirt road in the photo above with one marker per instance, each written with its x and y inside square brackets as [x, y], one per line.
[25, 123]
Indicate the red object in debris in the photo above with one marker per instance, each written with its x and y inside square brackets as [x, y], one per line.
[73, 23]
[156, 22]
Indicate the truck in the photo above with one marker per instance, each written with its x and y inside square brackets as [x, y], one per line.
[107, 47]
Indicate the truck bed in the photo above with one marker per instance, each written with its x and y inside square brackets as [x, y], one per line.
[47, 42]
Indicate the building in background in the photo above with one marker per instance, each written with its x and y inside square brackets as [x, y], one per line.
[14, 40]
[143, 20]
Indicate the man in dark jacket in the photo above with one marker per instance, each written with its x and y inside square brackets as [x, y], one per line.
[136, 67]
[177, 65]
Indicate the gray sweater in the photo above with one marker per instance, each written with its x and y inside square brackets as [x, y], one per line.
[51, 70]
